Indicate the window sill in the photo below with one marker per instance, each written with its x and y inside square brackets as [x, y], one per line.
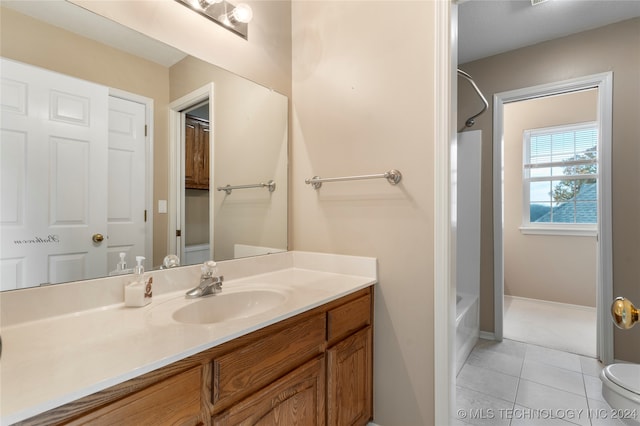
[563, 230]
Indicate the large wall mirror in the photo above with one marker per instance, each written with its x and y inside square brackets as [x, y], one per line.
[115, 143]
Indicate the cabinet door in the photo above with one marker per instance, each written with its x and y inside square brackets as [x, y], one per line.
[196, 160]
[190, 153]
[296, 399]
[203, 141]
[349, 380]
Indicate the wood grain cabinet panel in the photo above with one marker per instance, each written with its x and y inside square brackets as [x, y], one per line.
[247, 369]
[296, 399]
[196, 159]
[352, 316]
[349, 380]
[174, 401]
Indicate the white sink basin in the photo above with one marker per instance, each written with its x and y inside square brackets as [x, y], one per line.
[229, 306]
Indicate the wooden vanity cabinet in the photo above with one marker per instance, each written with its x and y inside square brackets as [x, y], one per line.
[295, 399]
[349, 380]
[350, 363]
[312, 369]
[196, 157]
[174, 401]
[338, 383]
[243, 371]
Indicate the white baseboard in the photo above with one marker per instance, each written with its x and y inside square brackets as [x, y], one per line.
[552, 302]
[487, 335]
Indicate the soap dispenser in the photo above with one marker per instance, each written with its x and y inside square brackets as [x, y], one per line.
[122, 265]
[139, 291]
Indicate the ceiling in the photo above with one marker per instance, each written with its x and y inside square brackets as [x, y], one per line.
[489, 27]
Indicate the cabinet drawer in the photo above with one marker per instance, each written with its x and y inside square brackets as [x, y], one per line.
[346, 319]
[295, 399]
[247, 369]
[175, 400]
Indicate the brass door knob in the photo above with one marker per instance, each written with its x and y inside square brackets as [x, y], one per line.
[624, 314]
[97, 238]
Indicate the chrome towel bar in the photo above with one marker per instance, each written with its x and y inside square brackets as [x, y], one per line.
[393, 176]
[271, 185]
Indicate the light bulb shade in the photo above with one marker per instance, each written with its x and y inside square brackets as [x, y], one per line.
[204, 4]
[233, 18]
[242, 13]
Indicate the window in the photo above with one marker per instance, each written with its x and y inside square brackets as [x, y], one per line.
[560, 178]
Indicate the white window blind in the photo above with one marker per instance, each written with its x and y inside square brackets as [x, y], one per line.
[560, 174]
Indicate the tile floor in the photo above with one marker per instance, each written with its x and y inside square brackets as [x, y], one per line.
[516, 384]
[570, 328]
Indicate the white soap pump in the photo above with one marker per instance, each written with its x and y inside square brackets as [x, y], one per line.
[138, 270]
[122, 265]
[139, 291]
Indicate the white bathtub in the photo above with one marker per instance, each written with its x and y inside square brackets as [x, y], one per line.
[195, 254]
[467, 326]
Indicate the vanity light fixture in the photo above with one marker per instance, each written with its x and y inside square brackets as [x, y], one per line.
[234, 18]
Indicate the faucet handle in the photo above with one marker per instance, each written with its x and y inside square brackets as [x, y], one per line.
[209, 268]
[217, 282]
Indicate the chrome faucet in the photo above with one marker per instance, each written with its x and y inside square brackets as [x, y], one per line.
[209, 282]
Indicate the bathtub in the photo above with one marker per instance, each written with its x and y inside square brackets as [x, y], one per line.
[195, 254]
[467, 326]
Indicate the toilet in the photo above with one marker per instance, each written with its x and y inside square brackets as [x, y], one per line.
[621, 390]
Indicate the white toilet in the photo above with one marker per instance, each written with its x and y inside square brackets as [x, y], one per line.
[621, 390]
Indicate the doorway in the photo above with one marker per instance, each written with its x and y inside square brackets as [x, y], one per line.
[603, 84]
[550, 217]
[195, 228]
[193, 109]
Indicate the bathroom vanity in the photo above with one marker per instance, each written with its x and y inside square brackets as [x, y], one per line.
[292, 340]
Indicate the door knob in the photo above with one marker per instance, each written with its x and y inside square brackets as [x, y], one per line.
[624, 314]
[97, 238]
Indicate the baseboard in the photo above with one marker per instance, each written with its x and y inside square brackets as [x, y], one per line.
[552, 302]
[487, 335]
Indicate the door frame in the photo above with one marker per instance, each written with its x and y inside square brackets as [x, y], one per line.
[445, 140]
[148, 203]
[176, 161]
[604, 281]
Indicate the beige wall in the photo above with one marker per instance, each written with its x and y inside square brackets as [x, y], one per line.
[30, 41]
[249, 136]
[611, 48]
[363, 96]
[548, 267]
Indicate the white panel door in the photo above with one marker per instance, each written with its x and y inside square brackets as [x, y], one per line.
[126, 181]
[53, 159]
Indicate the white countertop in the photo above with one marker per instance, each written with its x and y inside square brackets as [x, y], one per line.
[48, 362]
